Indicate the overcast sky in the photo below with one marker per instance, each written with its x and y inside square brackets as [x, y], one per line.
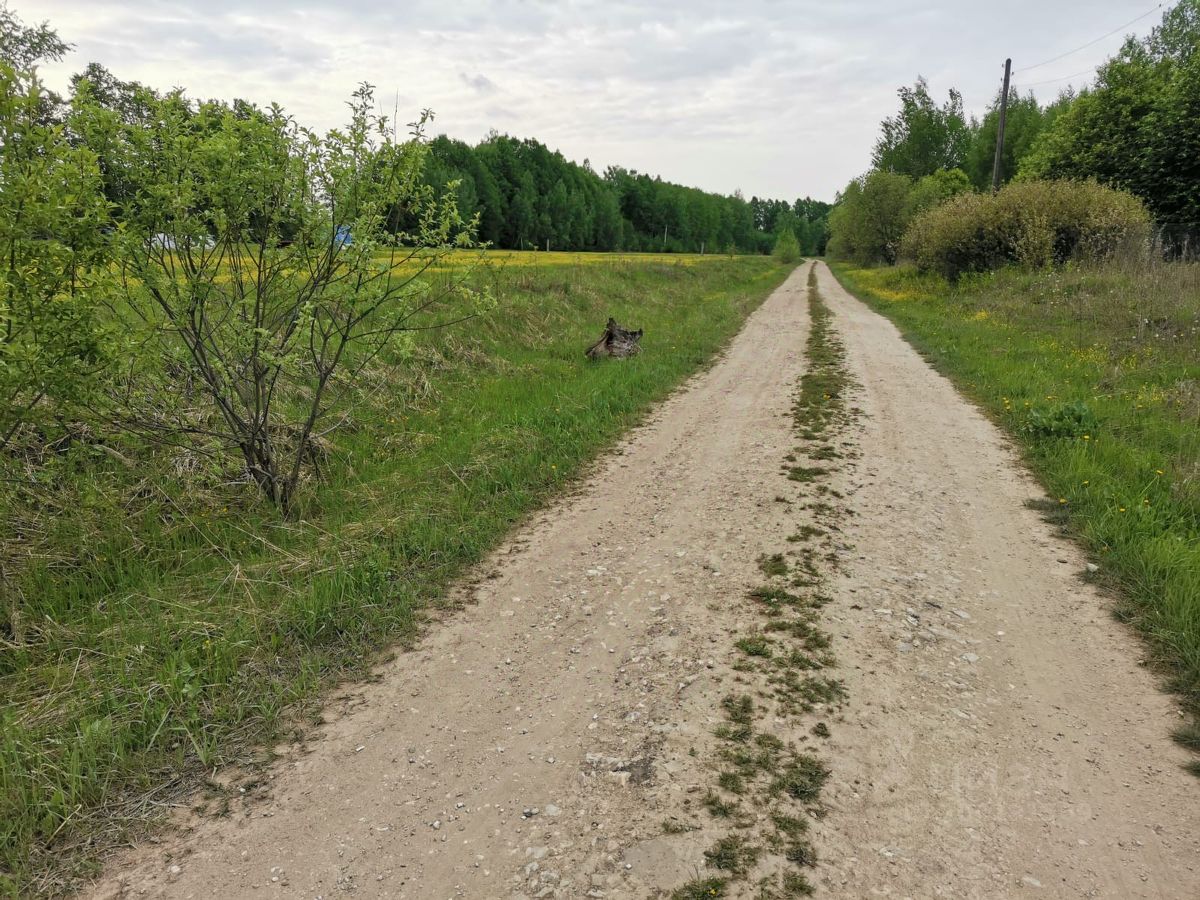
[777, 98]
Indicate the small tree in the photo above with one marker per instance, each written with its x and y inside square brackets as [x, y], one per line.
[787, 248]
[257, 261]
[870, 217]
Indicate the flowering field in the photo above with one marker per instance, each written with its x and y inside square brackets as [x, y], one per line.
[542, 258]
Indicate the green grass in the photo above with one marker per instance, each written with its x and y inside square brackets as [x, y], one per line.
[1095, 373]
[158, 621]
[773, 565]
[802, 778]
[732, 854]
[754, 645]
[720, 808]
[701, 889]
[796, 885]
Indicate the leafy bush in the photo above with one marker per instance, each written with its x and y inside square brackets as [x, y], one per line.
[787, 248]
[257, 260]
[869, 219]
[1034, 223]
[934, 190]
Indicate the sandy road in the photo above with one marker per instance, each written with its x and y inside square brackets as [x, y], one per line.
[1003, 739]
[1000, 738]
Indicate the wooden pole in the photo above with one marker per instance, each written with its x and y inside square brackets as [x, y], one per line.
[1000, 127]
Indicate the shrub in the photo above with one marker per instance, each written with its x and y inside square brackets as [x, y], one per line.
[787, 248]
[869, 219]
[934, 190]
[1034, 223]
[256, 258]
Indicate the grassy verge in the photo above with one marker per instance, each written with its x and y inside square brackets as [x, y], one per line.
[157, 621]
[1095, 372]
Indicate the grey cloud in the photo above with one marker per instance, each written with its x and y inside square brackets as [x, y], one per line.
[479, 83]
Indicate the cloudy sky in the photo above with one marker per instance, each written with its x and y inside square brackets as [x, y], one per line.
[780, 98]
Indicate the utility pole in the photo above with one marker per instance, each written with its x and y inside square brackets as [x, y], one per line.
[1000, 128]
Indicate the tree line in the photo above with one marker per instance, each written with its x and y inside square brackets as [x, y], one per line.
[529, 197]
[1135, 129]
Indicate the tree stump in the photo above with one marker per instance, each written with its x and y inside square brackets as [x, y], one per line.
[616, 341]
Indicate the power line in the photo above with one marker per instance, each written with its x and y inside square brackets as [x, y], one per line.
[1030, 84]
[1091, 43]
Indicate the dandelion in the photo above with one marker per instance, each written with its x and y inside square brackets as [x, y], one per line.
[1087, 437]
[1122, 509]
[1062, 499]
[1158, 471]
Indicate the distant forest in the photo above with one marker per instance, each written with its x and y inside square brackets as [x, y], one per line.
[530, 197]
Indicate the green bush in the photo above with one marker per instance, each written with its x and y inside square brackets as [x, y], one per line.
[787, 248]
[1033, 223]
[869, 219]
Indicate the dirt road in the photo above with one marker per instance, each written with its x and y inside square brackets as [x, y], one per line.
[999, 738]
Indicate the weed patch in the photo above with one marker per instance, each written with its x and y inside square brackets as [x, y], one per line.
[701, 889]
[802, 778]
[773, 565]
[755, 645]
[806, 474]
[732, 854]
[796, 885]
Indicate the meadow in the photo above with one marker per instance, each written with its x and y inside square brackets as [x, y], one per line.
[1094, 371]
[163, 620]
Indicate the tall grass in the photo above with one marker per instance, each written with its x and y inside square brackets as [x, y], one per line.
[1095, 372]
[160, 621]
